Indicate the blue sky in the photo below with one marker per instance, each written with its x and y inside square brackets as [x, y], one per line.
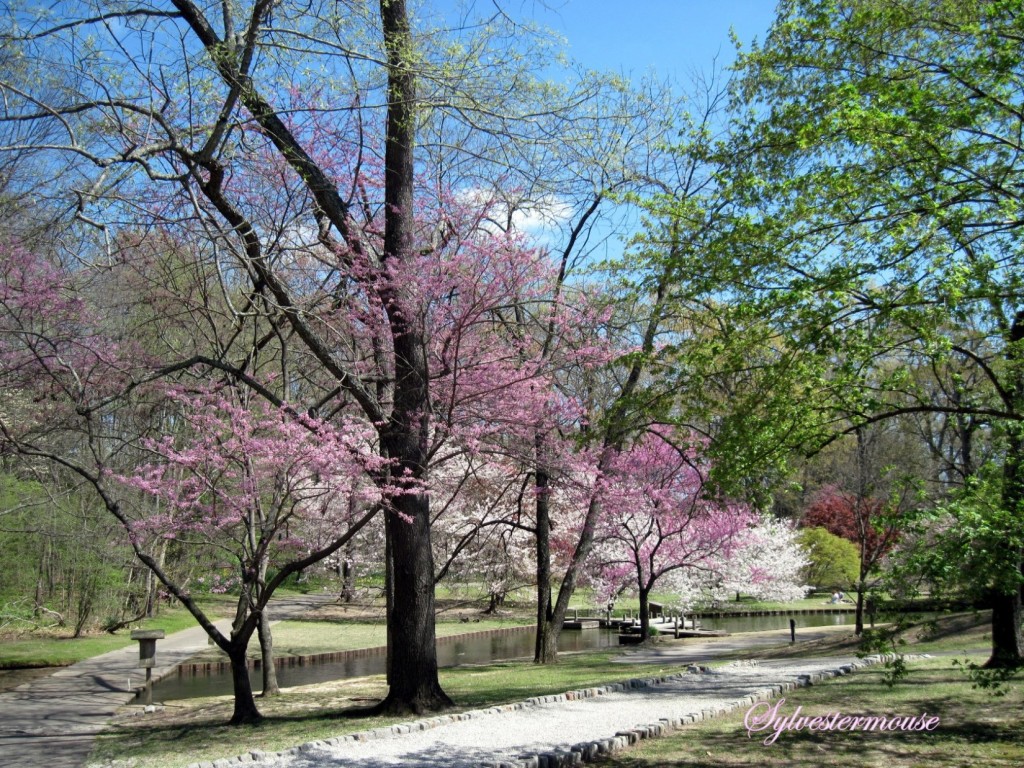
[633, 37]
[673, 39]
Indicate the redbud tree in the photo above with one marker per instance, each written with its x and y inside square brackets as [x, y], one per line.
[209, 466]
[657, 519]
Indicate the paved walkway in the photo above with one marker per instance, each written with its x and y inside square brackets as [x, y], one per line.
[563, 730]
[693, 652]
[51, 722]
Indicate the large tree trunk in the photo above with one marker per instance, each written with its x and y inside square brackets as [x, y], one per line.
[266, 637]
[858, 628]
[546, 647]
[1007, 609]
[645, 613]
[245, 705]
[584, 545]
[568, 586]
[414, 685]
[236, 648]
[413, 681]
[389, 599]
[1007, 639]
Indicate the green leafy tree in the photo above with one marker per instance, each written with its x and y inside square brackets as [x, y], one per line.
[876, 184]
[834, 561]
[62, 559]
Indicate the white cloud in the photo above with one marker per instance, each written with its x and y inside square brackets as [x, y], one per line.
[535, 217]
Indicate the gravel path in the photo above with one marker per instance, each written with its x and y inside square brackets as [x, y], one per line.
[559, 730]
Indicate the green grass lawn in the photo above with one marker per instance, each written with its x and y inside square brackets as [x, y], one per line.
[59, 649]
[193, 730]
[975, 729]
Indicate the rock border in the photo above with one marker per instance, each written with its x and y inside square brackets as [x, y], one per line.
[584, 752]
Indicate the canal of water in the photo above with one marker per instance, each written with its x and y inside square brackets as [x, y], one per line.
[452, 652]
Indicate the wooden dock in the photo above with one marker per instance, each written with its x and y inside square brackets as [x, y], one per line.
[702, 633]
[581, 624]
[634, 638]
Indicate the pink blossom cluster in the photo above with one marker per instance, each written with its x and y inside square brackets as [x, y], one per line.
[662, 525]
[231, 470]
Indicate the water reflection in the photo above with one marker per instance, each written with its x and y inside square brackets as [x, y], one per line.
[512, 643]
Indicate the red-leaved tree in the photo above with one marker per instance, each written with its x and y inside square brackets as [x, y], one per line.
[870, 523]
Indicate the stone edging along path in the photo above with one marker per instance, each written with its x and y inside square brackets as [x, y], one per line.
[575, 754]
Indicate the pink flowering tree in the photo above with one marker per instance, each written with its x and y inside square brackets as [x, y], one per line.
[273, 490]
[228, 471]
[657, 520]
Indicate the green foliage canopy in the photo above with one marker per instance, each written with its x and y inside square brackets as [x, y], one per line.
[834, 561]
[874, 181]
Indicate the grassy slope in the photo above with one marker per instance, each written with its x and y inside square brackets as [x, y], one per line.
[975, 728]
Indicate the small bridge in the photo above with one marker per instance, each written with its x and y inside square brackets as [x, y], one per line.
[628, 624]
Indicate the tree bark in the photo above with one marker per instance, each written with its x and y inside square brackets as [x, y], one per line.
[413, 680]
[567, 588]
[859, 617]
[389, 600]
[245, 711]
[414, 685]
[37, 603]
[1007, 637]
[270, 686]
[269, 670]
[645, 613]
[266, 638]
[546, 647]
[1007, 613]
[1006, 597]
[348, 581]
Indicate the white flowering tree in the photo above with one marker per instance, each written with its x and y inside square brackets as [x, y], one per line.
[768, 563]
